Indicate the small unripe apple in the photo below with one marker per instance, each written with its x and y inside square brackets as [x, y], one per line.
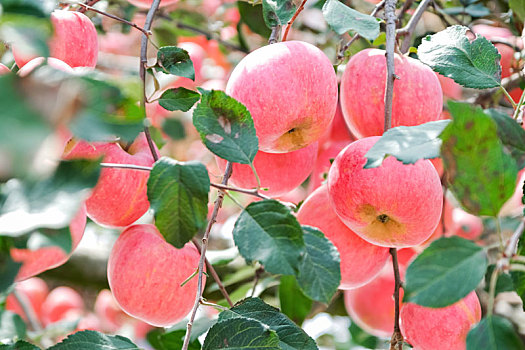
[290, 89]
[145, 275]
[393, 205]
[60, 302]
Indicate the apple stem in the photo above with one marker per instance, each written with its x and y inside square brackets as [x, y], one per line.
[408, 30]
[507, 83]
[290, 22]
[217, 205]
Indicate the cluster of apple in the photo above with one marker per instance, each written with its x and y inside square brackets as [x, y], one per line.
[65, 304]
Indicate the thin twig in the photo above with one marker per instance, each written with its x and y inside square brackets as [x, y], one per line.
[507, 83]
[290, 22]
[397, 337]
[408, 30]
[27, 308]
[125, 21]
[404, 9]
[252, 192]
[216, 207]
[258, 274]
[213, 273]
[88, 3]
[276, 33]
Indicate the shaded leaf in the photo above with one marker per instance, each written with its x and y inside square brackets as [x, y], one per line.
[518, 7]
[294, 303]
[277, 12]
[361, 338]
[342, 18]
[174, 129]
[252, 16]
[178, 99]
[504, 282]
[91, 340]
[493, 333]
[11, 326]
[176, 61]
[19, 345]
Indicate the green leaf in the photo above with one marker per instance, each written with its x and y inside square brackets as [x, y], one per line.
[241, 333]
[518, 281]
[481, 175]
[171, 340]
[226, 127]
[407, 143]
[174, 128]
[361, 338]
[504, 282]
[46, 237]
[473, 64]
[277, 12]
[518, 7]
[445, 272]
[91, 340]
[510, 133]
[473, 10]
[19, 345]
[35, 8]
[493, 333]
[178, 99]
[290, 335]
[49, 203]
[342, 18]
[252, 16]
[294, 303]
[29, 33]
[268, 232]
[319, 272]
[8, 270]
[11, 326]
[178, 195]
[176, 61]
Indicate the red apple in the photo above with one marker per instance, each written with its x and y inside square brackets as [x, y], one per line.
[450, 88]
[108, 312]
[120, 197]
[60, 302]
[34, 290]
[145, 275]
[46, 258]
[393, 205]
[290, 89]
[360, 260]
[322, 163]
[279, 172]
[465, 225]
[51, 61]
[443, 328]
[418, 97]
[4, 69]
[74, 41]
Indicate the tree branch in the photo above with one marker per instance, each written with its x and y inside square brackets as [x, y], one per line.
[290, 22]
[404, 9]
[397, 337]
[274, 37]
[216, 207]
[408, 30]
[88, 3]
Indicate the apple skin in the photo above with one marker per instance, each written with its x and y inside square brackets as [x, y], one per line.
[37, 261]
[51, 61]
[61, 302]
[74, 41]
[417, 83]
[322, 163]
[450, 88]
[279, 172]
[145, 275]
[290, 89]
[444, 328]
[4, 69]
[464, 224]
[120, 196]
[108, 312]
[35, 290]
[360, 260]
[393, 205]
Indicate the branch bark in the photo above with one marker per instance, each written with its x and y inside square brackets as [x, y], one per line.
[290, 22]
[88, 3]
[408, 30]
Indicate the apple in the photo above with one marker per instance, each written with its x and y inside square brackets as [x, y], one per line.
[197, 55]
[338, 131]
[46, 258]
[290, 89]
[120, 197]
[450, 88]
[51, 61]
[34, 290]
[4, 69]
[74, 41]
[322, 163]
[360, 260]
[89, 322]
[418, 97]
[108, 312]
[465, 225]
[61, 302]
[279, 172]
[145, 275]
[393, 205]
[440, 328]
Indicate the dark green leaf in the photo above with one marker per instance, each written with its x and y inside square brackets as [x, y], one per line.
[294, 303]
[174, 129]
[170, 340]
[178, 99]
[176, 61]
[408, 143]
[518, 280]
[91, 340]
[319, 272]
[35, 8]
[510, 133]
[268, 232]
[241, 333]
[481, 174]
[226, 127]
[19, 345]
[178, 194]
[504, 282]
[46, 237]
[445, 272]
[290, 335]
[493, 333]
[473, 10]
[342, 18]
[361, 338]
[252, 16]
[277, 12]
[27, 32]
[518, 7]
[11, 326]
[8, 271]
[473, 64]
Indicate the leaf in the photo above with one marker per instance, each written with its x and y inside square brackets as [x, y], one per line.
[319, 272]
[178, 99]
[171, 340]
[51, 238]
[277, 12]
[35, 8]
[174, 128]
[28, 32]
[252, 16]
[268, 232]
[481, 175]
[91, 340]
[8, 270]
[294, 303]
[493, 333]
[473, 10]
[408, 144]
[518, 281]
[176, 61]
[518, 7]
[11, 326]
[361, 338]
[445, 272]
[178, 195]
[504, 282]
[342, 18]
[510, 133]
[241, 333]
[226, 127]
[288, 332]
[473, 64]
[19, 345]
